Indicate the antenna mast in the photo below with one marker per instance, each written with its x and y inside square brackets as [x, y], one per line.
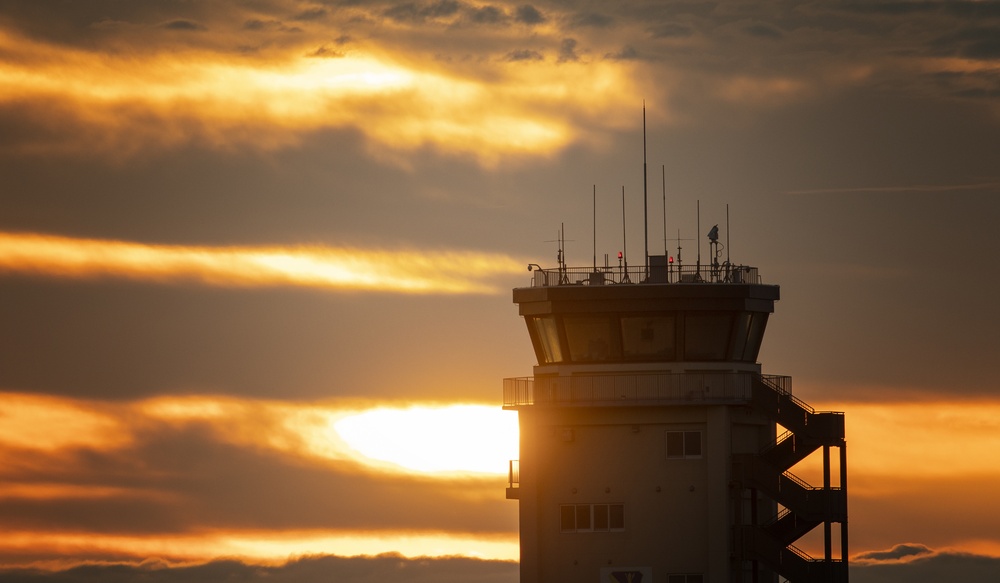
[595, 227]
[727, 234]
[645, 204]
[698, 237]
[625, 278]
[663, 170]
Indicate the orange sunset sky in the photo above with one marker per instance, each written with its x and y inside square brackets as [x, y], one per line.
[256, 260]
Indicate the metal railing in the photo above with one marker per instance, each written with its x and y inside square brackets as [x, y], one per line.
[630, 389]
[514, 474]
[721, 273]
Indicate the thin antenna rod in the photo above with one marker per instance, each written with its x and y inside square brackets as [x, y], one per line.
[663, 170]
[699, 236]
[624, 238]
[625, 278]
[595, 228]
[727, 234]
[645, 204]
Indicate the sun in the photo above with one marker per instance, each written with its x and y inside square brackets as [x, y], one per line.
[476, 439]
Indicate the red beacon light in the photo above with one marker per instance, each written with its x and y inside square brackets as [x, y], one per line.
[670, 259]
[619, 255]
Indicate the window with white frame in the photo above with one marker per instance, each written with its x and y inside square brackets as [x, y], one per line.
[684, 444]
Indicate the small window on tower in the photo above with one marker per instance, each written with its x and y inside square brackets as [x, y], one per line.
[567, 518]
[616, 519]
[684, 444]
[583, 516]
[591, 517]
[600, 517]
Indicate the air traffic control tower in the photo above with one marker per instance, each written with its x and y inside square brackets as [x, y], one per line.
[649, 446]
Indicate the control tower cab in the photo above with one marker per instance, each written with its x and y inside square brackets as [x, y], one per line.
[648, 434]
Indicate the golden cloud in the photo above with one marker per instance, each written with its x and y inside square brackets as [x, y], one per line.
[125, 101]
[446, 272]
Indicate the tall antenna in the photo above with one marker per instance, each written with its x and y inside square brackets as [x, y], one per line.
[624, 240]
[663, 170]
[727, 234]
[698, 237]
[645, 204]
[595, 227]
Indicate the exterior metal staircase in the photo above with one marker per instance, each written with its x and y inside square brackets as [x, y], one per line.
[805, 507]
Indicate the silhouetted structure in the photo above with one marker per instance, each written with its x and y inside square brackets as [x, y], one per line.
[649, 447]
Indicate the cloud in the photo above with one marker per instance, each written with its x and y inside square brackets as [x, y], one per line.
[184, 25]
[488, 15]
[384, 568]
[671, 30]
[627, 53]
[592, 20]
[763, 30]
[195, 478]
[915, 563]
[567, 50]
[914, 188]
[524, 55]
[418, 12]
[316, 13]
[528, 14]
[896, 553]
[331, 268]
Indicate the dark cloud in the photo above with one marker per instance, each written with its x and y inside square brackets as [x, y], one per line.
[183, 25]
[416, 12]
[311, 14]
[524, 55]
[671, 30]
[627, 53]
[591, 20]
[382, 569]
[567, 50]
[121, 340]
[928, 568]
[528, 14]
[258, 25]
[894, 554]
[487, 15]
[761, 30]
[177, 480]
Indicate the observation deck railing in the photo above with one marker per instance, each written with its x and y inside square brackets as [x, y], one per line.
[608, 275]
[638, 388]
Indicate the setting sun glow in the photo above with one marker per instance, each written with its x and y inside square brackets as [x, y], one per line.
[457, 438]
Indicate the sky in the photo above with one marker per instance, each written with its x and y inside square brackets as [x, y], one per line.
[256, 261]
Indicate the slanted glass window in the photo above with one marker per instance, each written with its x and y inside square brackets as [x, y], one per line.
[649, 338]
[684, 444]
[756, 334]
[740, 332]
[548, 338]
[706, 335]
[589, 337]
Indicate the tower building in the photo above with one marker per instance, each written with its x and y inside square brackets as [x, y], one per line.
[649, 445]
